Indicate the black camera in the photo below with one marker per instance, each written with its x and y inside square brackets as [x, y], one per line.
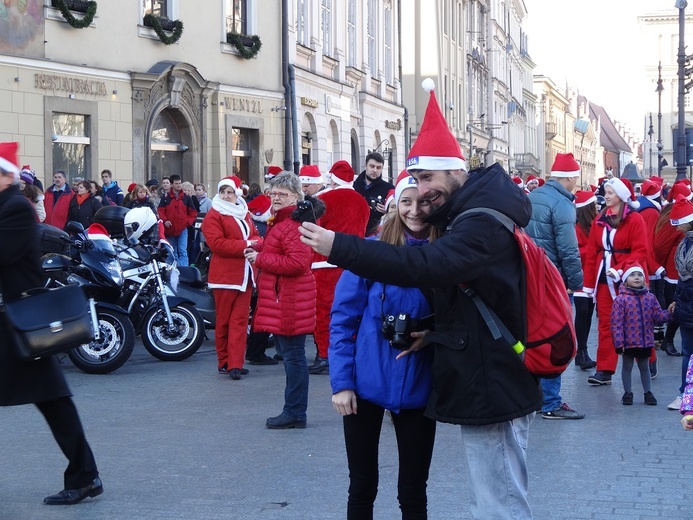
[306, 211]
[398, 328]
[375, 201]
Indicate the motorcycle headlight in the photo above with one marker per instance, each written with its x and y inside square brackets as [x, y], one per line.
[116, 271]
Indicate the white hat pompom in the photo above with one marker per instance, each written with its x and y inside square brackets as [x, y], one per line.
[428, 85]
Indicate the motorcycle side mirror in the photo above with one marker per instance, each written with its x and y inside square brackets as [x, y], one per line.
[74, 228]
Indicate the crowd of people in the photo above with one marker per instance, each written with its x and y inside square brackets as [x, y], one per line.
[379, 274]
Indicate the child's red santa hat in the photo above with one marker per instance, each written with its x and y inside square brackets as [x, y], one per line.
[634, 267]
[310, 174]
[584, 198]
[232, 181]
[272, 172]
[435, 147]
[681, 212]
[624, 191]
[404, 181]
[8, 158]
[260, 208]
[342, 173]
[565, 165]
[650, 189]
[677, 189]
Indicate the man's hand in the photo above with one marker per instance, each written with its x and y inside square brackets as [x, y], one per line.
[380, 207]
[320, 239]
[344, 402]
[168, 223]
[418, 343]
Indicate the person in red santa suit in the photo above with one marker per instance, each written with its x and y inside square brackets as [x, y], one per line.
[618, 238]
[229, 231]
[346, 212]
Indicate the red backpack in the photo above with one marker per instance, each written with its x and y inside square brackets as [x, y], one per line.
[551, 342]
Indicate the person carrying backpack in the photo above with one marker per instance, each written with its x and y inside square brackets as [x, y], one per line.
[479, 383]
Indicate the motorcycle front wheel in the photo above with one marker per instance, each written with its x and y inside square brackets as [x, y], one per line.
[111, 350]
[174, 343]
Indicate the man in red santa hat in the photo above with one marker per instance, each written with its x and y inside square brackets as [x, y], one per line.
[311, 180]
[346, 212]
[272, 172]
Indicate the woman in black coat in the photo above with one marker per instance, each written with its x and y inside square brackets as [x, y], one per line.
[83, 205]
[40, 382]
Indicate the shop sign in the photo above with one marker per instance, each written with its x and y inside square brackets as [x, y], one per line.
[238, 104]
[69, 84]
[309, 102]
[394, 125]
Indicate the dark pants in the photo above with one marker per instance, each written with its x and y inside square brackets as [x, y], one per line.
[257, 342]
[415, 437]
[584, 308]
[63, 420]
[672, 326]
[293, 349]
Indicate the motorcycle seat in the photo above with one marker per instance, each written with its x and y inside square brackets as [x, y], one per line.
[191, 276]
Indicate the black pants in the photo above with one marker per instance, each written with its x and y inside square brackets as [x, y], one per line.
[257, 342]
[672, 326]
[415, 437]
[63, 420]
[584, 308]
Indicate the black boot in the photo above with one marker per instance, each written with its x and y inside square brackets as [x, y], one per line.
[583, 360]
[669, 348]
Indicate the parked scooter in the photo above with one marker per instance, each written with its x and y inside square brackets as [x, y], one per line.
[170, 326]
[90, 260]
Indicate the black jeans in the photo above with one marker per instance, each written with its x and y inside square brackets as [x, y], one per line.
[672, 326]
[63, 420]
[584, 308]
[415, 437]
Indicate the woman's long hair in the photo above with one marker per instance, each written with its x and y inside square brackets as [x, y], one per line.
[31, 192]
[585, 217]
[393, 231]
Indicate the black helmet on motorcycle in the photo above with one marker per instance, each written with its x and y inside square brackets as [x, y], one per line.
[138, 223]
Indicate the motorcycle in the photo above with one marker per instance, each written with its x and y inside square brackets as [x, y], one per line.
[193, 287]
[91, 263]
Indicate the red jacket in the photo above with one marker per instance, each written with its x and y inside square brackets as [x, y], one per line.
[345, 212]
[56, 214]
[228, 237]
[650, 215]
[286, 287]
[666, 241]
[628, 244]
[177, 208]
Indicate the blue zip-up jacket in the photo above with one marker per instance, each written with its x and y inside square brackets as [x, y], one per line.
[362, 360]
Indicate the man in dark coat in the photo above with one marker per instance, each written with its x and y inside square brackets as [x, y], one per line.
[478, 382]
[42, 381]
[372, 187]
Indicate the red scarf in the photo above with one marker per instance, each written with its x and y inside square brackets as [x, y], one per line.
[82, 198]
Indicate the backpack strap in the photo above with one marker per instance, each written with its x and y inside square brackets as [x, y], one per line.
[507, 222]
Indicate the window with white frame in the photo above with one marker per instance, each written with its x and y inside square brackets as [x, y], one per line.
[351, 34]
[301, 22]
[370, 36]
[237, 16]
[388, 42]
[159, 8]
[71, 144]
[326, 22]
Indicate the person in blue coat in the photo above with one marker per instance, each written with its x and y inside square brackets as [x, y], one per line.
[369, 374]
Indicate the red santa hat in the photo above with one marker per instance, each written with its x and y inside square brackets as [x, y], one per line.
[518, 181]
[565, 165]
[342, 173]
[435, 147]
[650, 189]
[584, 198]
[679, 189]
[132, 187]
[232, 181]
[685, 181]
[624, 191]
[260, 208]
[593, 188]
[404, 181]
[657, 180]
[390, 197]
[681, 212]
[532, 178]
[631, 268]
[541, 182]
[98, 232]
[272, 172]
[310, 174]
[8, 158]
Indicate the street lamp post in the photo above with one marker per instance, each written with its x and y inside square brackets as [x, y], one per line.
[659, 90]
[681, 140]
[581, 126]
[650, 132]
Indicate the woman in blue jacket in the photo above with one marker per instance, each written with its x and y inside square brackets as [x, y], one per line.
[368, 378]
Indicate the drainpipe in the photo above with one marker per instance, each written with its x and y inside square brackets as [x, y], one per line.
[287, 86]
[294, 120]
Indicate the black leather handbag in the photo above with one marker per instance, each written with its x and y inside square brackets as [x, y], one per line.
[49, 322]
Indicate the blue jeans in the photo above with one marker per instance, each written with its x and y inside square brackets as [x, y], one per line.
[551, 388]
[180, 247]
[495, 458]
[687, 351]
[293, 348]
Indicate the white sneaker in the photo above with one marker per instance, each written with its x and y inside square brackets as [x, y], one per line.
[675, 404]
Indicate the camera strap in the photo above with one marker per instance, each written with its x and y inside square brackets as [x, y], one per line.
[427, 293]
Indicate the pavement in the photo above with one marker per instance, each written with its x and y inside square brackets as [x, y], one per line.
[176, 440]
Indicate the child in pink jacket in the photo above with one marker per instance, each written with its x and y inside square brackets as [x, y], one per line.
[687, 400]
[634, 314]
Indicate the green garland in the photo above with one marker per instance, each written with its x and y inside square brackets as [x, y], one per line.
[77, 23]
[238, 40]
[153, 21]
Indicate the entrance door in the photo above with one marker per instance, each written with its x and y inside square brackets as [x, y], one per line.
[166, 149]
